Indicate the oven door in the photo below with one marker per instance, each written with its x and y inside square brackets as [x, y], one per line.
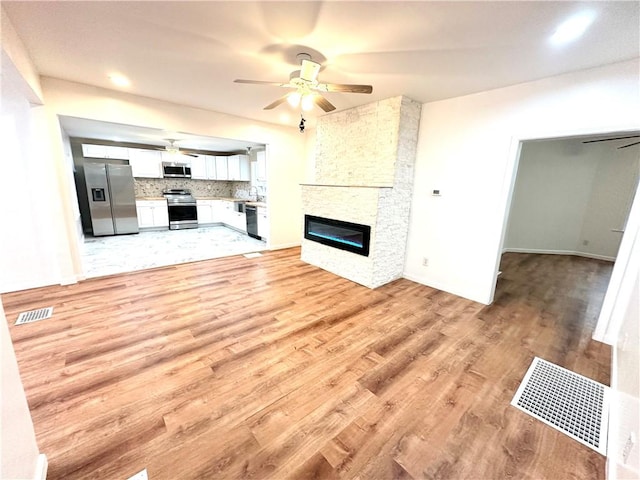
[183, 215]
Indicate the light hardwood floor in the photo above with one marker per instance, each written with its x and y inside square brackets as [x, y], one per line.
[272, 368]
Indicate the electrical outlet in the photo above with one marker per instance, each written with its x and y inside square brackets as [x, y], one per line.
[628, 446]
[425, 262]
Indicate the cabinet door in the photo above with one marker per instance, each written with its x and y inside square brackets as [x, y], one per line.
[121, 153]
[263, 223]
[222, 173]
[261, 166]
[199, 167]
[205, 214]
[176, 158]
[217, 211]
[94, 151]
[226, 212]
[245, 168]
[145, 163]
[211, 167]
[145, 215]
[233, 163]
[161, 214]
[104, 151]
[239, 221]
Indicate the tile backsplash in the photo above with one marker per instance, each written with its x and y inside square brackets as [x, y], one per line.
[153, 187]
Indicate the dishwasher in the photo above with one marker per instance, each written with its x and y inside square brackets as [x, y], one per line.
[252, 220]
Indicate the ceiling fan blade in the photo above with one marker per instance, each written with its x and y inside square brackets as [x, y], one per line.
[611, 139]
[323, 103]
[309, 70]
[340, 87]
[279, 101]
[630, 145]
[260, 82]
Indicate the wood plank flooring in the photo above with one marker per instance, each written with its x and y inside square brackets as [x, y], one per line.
[272, 368]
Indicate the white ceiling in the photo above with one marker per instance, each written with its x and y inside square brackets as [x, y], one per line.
[190, 52]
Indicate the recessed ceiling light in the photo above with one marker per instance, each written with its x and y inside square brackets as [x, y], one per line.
[572, 28]
[119, 80]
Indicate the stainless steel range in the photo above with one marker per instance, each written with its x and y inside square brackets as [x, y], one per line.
[182, 209]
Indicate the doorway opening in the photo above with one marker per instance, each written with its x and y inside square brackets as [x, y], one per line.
[572, 197]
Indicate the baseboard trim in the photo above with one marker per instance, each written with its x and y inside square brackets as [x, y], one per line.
[282, 246]
[42, 465]
[444, 288]
[559, 252]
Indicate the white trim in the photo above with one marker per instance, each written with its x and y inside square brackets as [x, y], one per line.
[511, 172]
[609, 321]
[443, 287]
[282, 246]
[42, 465]
[559, 252]
[71, 279]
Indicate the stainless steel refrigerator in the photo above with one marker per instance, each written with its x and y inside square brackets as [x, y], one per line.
[112, 201]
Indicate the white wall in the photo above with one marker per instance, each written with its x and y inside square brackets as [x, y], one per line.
[18, 448]
[552, 189]
[568, 193]
[467, 148]
[624, 455]
[615, 184]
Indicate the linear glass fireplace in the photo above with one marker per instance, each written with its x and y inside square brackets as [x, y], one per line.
[352, 237]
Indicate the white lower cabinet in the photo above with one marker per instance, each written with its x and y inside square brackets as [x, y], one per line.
[209, 211]
[263, 223]
[152, 213]
[229, 216]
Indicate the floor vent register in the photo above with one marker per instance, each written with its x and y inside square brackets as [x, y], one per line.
[34, 315]
[575, 405]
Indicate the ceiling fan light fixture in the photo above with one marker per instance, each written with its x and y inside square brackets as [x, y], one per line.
[294, 99]
[572, 28]
[307, 102]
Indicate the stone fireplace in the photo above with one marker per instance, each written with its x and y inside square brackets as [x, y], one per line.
[364, 176]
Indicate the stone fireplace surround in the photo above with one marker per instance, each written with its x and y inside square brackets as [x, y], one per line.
[364, 174]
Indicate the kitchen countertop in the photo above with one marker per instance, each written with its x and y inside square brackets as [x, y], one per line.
[228, 199]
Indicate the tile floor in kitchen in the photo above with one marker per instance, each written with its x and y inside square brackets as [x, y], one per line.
[148, 249]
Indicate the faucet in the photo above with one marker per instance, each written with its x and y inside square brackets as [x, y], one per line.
[256, 189]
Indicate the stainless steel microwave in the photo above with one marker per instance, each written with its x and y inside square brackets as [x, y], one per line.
[176, 170]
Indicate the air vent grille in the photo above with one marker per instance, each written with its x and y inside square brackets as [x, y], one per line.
[566, 401]
[34, 315]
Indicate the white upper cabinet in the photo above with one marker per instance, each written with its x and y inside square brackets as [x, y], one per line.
[145, 163]
[211, 167]
[176, 158]
[261, 166]
[199, 169]
[222, 172]
[239, 168]
[104, 151]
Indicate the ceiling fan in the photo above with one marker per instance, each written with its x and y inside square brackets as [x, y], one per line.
[305, 86]
[616, 138]
[173, 149]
